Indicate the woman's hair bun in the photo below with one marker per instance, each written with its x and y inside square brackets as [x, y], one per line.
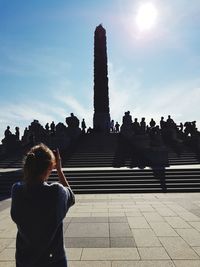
[30, 157]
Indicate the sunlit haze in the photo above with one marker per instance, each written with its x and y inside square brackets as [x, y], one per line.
[146, 16]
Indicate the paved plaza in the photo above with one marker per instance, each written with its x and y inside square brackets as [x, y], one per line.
[123, 230]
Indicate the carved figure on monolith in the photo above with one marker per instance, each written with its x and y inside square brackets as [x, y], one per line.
[101, 119]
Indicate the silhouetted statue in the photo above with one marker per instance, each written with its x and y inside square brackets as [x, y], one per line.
[17, 133]
[47, 127]
[169, 121]
[10, 141]
[152, 123]
[7, 133]
[34, 127]
[162, 123]
[38, 131]
[193, 128]
[52, 127]
[136, 126]
[143, 126]
[25, 136]
[73, 130]
[127, 119]
[72, 121]
[60, 127]
[83, 126]
[117, 127]
[126, 128]
[61, 139]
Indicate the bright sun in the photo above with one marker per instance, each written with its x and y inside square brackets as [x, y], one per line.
[146, 16]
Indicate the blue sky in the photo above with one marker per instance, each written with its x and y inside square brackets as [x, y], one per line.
[46, 60]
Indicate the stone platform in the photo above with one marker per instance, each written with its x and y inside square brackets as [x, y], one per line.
[123, 230]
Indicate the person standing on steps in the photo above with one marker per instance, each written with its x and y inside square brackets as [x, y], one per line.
[112, 126]
[83, 126]
[117, 127]
[38, 209]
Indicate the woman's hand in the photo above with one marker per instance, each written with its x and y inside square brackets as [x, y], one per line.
[58, 160]
[61, 175]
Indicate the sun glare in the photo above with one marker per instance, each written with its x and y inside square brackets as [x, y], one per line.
[146, 16]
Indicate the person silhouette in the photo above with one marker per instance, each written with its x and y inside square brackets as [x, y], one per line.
[47, 127]
[143, 126]
[162, 123]
[136, 126]
[117, 127]
[38, 209]
[17, 133]
[169, 121]
[112, 126]
[53, 127]
[83, 125]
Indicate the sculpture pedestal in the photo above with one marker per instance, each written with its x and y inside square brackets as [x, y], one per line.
[101, 122]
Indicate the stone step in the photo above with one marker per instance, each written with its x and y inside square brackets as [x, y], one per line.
[121, 181]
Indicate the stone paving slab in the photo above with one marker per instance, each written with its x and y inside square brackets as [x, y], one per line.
[4, 204]
[8, 254]
[177, 248]
[120, 230]
[89, 220]
[164, 211]
[87, 242]
[191, 236]
[188, 216]
[110, 254]
[196, 225]
[87, 230]
[157, 263]
[122, 242]
[90, 264]
[5, 243]
[187, 263]
[7, 264]
[177, 222]
[153, 217]
[117, 219]
[112, 230]
[162, 229]
[158, 253]
[138, 222]
[146, 238]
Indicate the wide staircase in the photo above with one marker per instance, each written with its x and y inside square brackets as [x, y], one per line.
[93, 150]
[106, 164]
[113, 151]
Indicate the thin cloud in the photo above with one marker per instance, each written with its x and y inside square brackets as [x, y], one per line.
[123, 91]
[76, 107]
[22, 115]
[179, 99]
[39, 62]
